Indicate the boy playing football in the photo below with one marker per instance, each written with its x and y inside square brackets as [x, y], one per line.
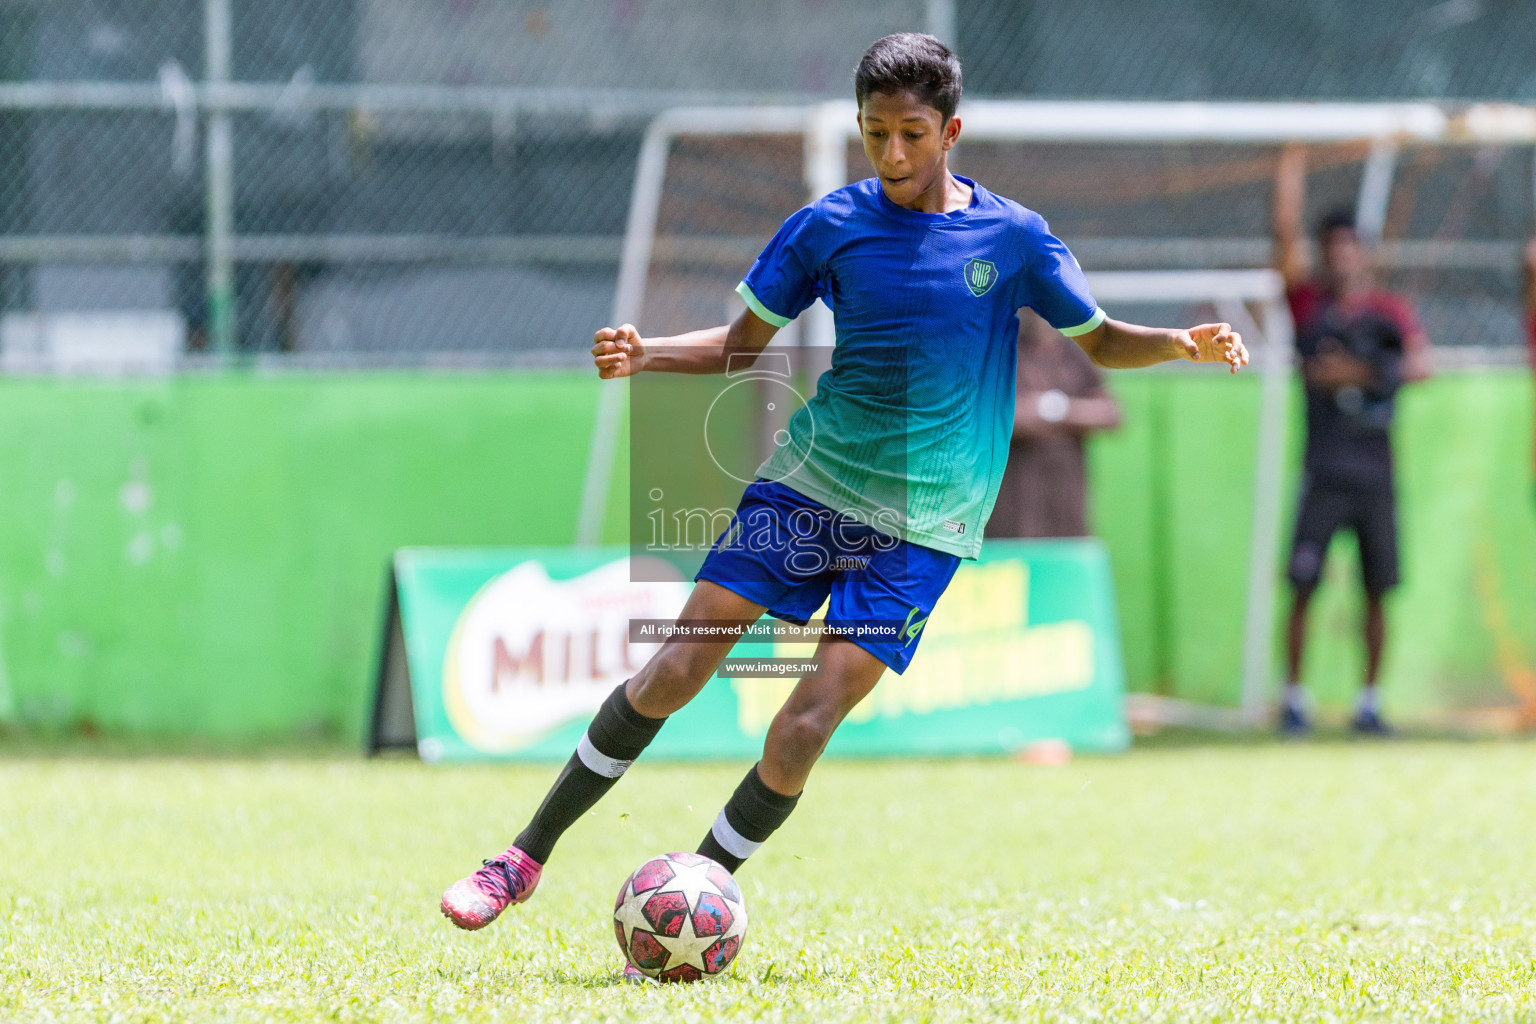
[925, 272]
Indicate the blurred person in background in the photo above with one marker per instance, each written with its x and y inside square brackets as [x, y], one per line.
[1530, 292]
[1061, 400]
[1530, 302]
[1357, 344]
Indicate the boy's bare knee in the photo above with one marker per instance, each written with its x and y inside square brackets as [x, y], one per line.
[684, 663]
[670, 679]
[799, 736]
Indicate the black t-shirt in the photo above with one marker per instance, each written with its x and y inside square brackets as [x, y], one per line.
[1349, 430]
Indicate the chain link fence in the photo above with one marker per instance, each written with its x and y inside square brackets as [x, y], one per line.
[446, 182]
[1216, 49]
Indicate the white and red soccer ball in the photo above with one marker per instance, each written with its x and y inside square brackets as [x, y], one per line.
[680, 917]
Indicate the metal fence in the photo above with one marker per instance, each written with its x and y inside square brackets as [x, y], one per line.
[446, 181]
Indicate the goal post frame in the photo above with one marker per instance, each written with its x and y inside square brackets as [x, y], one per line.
[1237, 295]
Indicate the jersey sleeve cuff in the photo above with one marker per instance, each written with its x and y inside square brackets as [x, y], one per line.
[767, 315]
[1085, 326]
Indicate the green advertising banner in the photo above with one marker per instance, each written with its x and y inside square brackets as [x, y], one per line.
[506, 654]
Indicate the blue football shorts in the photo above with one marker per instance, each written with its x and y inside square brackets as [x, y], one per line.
[789, 554]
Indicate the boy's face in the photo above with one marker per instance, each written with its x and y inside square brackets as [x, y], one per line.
[905, 141]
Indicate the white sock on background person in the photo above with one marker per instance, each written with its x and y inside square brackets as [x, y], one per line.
[1368, 700]
[1295, 697]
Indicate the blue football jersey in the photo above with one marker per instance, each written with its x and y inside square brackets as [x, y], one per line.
[909, 429]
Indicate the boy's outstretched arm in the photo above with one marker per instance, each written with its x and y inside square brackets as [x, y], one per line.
[1122, 346]
[621, 352]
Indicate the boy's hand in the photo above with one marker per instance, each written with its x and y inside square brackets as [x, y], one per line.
[1213, 343]
[618, 352]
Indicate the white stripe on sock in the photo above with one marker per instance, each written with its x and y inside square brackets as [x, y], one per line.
[598, 762]
[731, 841]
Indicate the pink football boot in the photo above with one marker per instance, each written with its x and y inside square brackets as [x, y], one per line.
[478, 899]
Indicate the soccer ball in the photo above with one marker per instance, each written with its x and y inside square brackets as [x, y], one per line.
[680, 917]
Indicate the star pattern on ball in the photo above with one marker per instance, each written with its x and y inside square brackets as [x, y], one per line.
[688, 948]
[631, 912]
[702, 899]
[692, 880]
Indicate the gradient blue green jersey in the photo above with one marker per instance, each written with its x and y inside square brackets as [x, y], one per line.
[909, 429]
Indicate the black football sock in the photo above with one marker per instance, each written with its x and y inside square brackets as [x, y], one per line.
[749, 818]
[612, 742]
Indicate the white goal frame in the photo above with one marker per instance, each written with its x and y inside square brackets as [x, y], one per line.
[1253, 300]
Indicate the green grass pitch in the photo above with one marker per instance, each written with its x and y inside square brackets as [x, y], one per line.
[1329, 881]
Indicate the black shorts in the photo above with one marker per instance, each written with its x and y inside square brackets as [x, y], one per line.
[1369, 510]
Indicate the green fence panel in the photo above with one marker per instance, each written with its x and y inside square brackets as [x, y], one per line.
[1173, 497]
[205, 555]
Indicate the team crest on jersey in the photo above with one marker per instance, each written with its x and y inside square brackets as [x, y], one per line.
[980, 276]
